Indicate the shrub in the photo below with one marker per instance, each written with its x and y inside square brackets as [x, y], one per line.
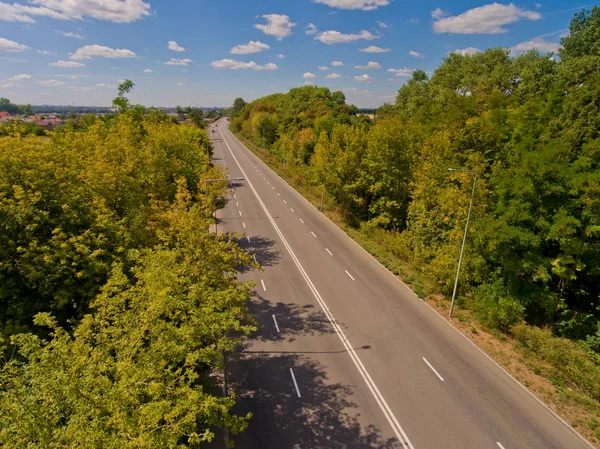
[495, 307]
[569, 362]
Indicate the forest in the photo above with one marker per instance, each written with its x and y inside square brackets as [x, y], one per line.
[116, 303]
[529, 127]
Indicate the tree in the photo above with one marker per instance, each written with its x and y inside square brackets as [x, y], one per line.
[121, 101]
[136, 371]
[238, 105]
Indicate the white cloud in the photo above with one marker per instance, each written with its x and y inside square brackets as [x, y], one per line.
[239, 65]
[45, 52]
[309, 75]
[415, 54]
[370, 65]
[382, 24]
[107, 86]
[365, 5]
[467, 51]
[148, 71]
[69, 34]
[413, 20]
[487, 19]
[175, 61]
[374, 49]
[12, 46]
[438, 13]
[364, 77]
[538, 43]
[180, 84]
[310, 29]
[250, 47]
[51, 83]
[174, 46]
[337, 63]
[402, 72]
[280, 56]
[21, 77]
[323, 67]
[22, 13]
[333, 76]
[335, 37]
[71, 64]
[123, 11]
[6, 85]
[308, 83]
[90, 51]
[81, 88]
[278, 25]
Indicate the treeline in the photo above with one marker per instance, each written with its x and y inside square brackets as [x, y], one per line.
[117, 305]
[529, 126]
[14, 109]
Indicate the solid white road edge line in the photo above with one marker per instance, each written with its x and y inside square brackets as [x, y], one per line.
[263, 285]
[349, 275]
[295, 383]
[276, 325]
[433, 369]
[383, 405]
[329, 251]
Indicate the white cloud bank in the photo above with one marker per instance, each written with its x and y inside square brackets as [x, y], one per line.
[122, 11]
[175, 47]
[365, 5]
[250, 47]
[374, 49]
[12, 46]
[67, 64]
[175, 61]
[486, 19]
[239, 65]
[278, 25]
[330, 37]
[370, 65]
[91, 51]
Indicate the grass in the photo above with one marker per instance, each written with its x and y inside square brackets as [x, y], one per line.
[555, 370]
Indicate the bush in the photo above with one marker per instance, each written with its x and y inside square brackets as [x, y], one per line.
[495, 307]
[569, 362]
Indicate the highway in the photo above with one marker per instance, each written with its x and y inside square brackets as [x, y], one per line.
[346, 356]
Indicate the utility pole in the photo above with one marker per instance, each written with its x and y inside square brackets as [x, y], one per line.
[462, 249]
[206, 193]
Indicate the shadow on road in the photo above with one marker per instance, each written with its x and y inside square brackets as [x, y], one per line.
[323, 417]
[294, 320]
[267, 255]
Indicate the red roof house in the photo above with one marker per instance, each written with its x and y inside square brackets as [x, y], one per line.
[4, 114]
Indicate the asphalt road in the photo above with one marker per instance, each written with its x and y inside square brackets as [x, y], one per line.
[346, 356]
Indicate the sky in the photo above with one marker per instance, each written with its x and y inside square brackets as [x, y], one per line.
[208, 52]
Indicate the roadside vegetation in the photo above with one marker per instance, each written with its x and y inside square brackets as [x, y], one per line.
[117, 305]
[529, 126]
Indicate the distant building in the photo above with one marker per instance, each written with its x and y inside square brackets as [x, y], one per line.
[4, 114]
[49, 124]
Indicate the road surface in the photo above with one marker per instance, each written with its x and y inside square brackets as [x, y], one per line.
[346, 356]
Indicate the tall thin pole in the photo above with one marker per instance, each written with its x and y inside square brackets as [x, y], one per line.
[462, 249]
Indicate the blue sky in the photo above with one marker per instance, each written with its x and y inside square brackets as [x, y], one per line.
[206, 53]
